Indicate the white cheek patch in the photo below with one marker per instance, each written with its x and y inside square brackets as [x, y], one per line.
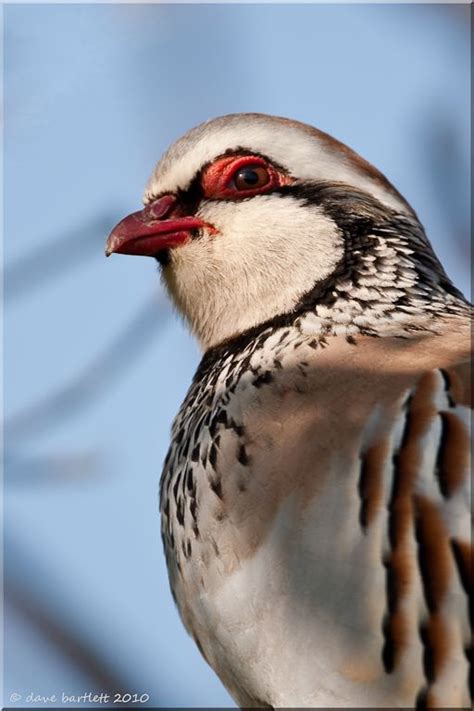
[271, 233]
[268, 253]
[302, 152]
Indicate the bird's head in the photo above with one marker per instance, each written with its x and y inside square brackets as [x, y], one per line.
[253, 217]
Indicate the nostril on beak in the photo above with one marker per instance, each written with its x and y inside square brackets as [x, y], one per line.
[160, 208]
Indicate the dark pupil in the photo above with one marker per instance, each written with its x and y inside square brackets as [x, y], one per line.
[248, 176]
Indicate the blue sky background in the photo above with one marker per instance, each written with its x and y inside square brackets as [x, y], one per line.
[96, 362]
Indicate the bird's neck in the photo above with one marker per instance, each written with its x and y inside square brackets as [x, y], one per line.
[389, 283]
[407, 301]
[385, 280]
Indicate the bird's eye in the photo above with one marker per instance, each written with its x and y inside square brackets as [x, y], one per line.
[241, 176]
[251, 177]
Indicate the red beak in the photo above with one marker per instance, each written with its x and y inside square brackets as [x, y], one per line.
[152, 230]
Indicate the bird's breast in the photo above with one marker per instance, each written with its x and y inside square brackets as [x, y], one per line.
[293, 502]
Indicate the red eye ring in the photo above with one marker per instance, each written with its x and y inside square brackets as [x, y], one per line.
[221, 178]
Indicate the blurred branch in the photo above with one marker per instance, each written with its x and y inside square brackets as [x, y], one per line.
[78, 653]
[40, 611]
[85, 389]
[54, 258]
[53, 469]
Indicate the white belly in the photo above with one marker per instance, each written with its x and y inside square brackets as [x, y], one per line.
[300, 623]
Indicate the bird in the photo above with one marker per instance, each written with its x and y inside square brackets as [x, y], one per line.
[315, 495]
